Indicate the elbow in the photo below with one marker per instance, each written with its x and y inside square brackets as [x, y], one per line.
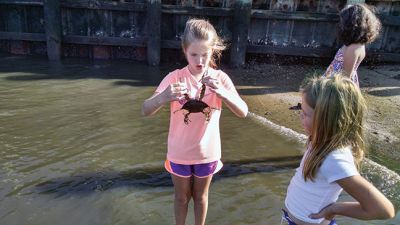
[244, 113]
[389, 213]
[144, 112]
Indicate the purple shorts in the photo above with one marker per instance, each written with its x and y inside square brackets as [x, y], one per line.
[198, 170]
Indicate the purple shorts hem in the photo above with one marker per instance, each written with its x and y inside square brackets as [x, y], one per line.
[202, 170]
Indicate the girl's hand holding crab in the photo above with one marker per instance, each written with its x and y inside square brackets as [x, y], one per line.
[215, 86]
[174, 92]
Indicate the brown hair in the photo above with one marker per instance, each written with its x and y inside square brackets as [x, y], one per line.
[199, 29]
[358, 24]
[339, 109]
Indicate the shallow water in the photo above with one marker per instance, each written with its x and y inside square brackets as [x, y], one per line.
[76, 151]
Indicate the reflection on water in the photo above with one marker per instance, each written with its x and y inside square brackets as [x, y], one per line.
[75, 150]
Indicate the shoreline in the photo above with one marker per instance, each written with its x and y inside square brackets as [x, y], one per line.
[270, 89]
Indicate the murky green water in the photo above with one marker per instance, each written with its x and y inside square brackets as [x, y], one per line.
[74, 150]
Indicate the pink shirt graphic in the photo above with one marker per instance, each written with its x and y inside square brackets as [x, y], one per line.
[199, 141]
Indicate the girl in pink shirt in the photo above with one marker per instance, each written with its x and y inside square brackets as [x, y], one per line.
[195, 94]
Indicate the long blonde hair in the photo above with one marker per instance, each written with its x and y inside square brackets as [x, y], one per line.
[339, 109]
[199, 29]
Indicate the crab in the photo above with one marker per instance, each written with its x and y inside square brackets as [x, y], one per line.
[194, 105]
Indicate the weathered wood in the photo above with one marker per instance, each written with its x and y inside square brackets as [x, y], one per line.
[22, 36]
[389, 20]
[52, 17]
[15, 19]
[278, 15]
[153, 32]
[117, 41]
[197, 11]
[22, 2]
[173, 44]
[294, 51]
[77, 26]
[35, 16]
[242, 13]
[117, 6]
[352, 2]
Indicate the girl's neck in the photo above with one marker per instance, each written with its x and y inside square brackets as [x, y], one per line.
[197, 76]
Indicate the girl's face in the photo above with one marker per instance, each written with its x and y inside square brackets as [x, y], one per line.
[198, 55]
[306, 115]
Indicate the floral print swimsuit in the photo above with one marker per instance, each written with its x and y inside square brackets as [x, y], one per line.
[337, 66]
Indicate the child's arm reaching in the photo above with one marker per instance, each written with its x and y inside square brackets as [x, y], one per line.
[173, 92]
[371, 203]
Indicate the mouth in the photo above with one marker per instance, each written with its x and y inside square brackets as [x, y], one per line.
[199, 66]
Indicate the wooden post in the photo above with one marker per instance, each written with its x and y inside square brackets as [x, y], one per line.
[153, 32]
[241, 21]
[52, 18]
[352, 2]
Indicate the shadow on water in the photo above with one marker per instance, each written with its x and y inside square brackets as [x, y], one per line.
[133, 73]
[88, 183]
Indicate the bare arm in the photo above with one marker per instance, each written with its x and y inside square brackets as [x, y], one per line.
[153, 104]
[236, 105]
[370, 202]
[172, 93]
[351, 56]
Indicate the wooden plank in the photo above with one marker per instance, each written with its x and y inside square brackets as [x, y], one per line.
[279, 15]
[352, 2]
[77, 27]
[52, 18]
[172, 44]
[34, 19]
[117, 41]
[197, 11]
[389, 20]
[3, 10]
[18, 36]
[121, 24]
[153, 32]
[294, 51]
[22, 2]
[240, 33]
[15, 18]
[302, 33]
[117, 6]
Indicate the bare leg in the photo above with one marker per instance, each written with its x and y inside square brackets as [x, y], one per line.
[182, 187]
[200, 197]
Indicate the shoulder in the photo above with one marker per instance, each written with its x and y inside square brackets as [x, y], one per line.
[355, 48]
[174, 75]
[218, 73]
[340, 154]
[339, 164]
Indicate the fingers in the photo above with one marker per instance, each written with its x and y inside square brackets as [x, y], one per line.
[177, 90]
[211, 82]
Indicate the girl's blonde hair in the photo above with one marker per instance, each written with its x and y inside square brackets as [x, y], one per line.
[339, 109]
[199, 29]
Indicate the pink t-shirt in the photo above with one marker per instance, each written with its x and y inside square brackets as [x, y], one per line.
[199, 141]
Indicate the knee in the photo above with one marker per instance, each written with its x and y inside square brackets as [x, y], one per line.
[201, 198]
[182, 199]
